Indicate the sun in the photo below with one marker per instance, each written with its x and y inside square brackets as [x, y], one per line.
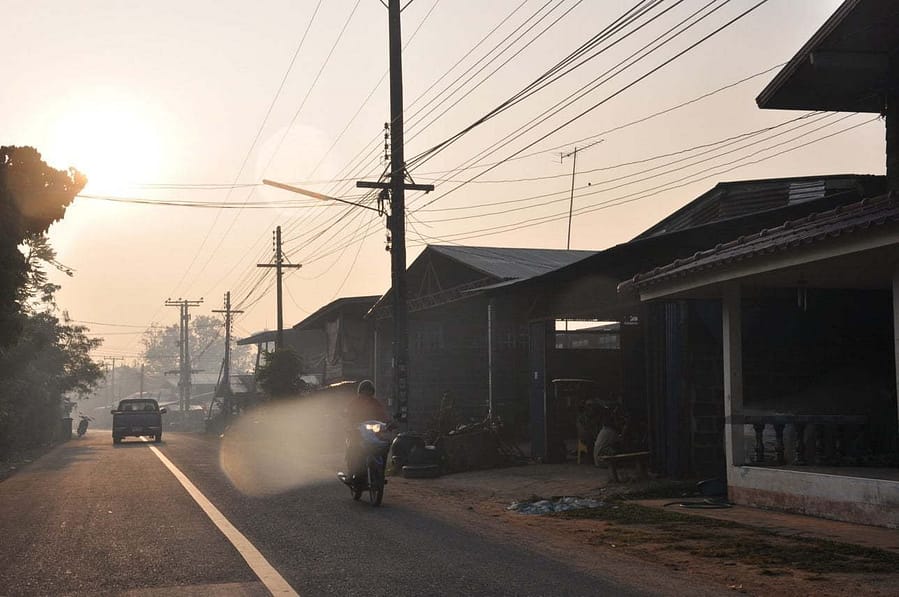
[114, 141]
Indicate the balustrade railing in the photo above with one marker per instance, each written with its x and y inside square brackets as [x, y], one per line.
[823, 425]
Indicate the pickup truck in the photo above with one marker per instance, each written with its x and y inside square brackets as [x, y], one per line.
[135, 417]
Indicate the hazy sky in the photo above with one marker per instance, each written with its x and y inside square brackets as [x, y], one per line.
[162, 101]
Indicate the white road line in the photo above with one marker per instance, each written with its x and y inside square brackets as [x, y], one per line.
[273, 581]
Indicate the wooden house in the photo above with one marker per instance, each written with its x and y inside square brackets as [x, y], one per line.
[348, 339]
[464, 353]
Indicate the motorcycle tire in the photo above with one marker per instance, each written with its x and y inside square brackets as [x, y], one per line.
[357, 493]
[157, 438]
[375, 486]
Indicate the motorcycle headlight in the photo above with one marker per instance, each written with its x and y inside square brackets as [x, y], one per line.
[373, 427]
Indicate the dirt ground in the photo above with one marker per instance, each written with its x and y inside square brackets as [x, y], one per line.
[745, 558]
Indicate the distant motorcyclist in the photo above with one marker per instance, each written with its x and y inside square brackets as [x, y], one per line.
[82, 424]
[365, 406]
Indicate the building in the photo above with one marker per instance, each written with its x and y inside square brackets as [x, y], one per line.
[348, 353]
[809, 308]
[666, 366]
[464, 352]
[809, 330]
[308, 344]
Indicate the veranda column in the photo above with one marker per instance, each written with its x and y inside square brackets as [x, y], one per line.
[732, 321]
[896, 332]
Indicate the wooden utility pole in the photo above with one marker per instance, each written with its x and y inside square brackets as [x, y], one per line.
[573, 154]
[279, 266]
[571, 200]
[396, 220]
[225, 386]
[184, 368]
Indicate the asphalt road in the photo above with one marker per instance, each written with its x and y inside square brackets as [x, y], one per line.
[91, 518]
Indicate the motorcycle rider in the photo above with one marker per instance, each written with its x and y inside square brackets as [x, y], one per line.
[364, 407]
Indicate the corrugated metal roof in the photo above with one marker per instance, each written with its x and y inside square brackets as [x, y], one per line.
[813, 228]
[728, 200]
[317, 319]
[506, 263]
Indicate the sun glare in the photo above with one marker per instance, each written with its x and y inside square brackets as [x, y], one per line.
[114, 142]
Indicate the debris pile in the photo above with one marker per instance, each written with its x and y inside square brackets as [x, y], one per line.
[562, 504]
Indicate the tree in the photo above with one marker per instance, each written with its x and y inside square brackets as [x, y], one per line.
[279, 373]
[44, 360]
[207, 347]
[32, 196]
[49, 363]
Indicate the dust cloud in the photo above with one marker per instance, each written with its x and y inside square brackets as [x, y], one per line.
[285, 444]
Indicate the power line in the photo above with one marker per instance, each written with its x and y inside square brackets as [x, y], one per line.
[608, 98]
[654, 45]
[289, 127]
[715, 147]
[632, 197]
[252, 145]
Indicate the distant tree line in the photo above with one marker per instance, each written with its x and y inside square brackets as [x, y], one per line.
[207, 347]
[44, 359]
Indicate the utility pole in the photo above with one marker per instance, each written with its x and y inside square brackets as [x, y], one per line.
[571, 200]
[141, 380]
[573, 154]
[184, 350]
[279, 266]
[225, 386]
[112, 397]
[396, 220]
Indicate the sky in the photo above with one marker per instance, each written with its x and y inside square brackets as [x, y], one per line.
[171, 103]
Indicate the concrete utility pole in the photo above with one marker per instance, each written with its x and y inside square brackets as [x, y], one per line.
[141, 380]
[112, 396]
[396, 221]
[225, 386]
[279, 266]
[184, 368]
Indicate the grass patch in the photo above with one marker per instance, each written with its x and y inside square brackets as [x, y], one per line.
[632, 525]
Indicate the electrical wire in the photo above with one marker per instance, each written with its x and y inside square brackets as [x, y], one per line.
[609, 97]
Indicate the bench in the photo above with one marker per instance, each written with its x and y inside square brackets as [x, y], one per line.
[640, 460]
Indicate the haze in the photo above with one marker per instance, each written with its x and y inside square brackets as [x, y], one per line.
[163, 101]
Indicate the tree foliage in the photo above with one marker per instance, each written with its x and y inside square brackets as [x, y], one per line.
[44, 360]
[32, 196]
[49, 363]
[207, 347]
[279, 373]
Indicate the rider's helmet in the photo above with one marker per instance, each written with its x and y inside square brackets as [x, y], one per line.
[366, 387]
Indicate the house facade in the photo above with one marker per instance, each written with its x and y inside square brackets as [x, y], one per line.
[808, 328]
[666, 365]
[466, 354]
[348, 351]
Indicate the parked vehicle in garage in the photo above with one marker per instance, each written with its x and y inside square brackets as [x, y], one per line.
[135, 417]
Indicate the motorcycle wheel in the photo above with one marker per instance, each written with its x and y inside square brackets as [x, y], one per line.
[375, 485]
[357, 492]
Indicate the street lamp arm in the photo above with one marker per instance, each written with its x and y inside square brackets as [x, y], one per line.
[313, 194]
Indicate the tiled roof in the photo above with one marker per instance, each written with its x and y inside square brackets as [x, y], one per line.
[815, 227]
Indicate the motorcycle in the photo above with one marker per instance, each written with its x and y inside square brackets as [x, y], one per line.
[82, 424]
[373, 443]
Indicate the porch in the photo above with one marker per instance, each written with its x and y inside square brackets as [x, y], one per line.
[809, 320]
